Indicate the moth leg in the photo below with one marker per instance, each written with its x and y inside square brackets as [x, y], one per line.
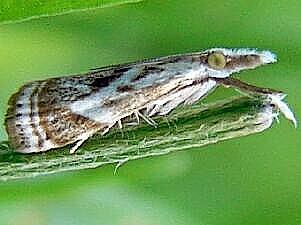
[82, 139]
[134, 123]
[274, 97]
[120, 127]
[149, 120]
[137, 116]
[120, 124]
[137, 119]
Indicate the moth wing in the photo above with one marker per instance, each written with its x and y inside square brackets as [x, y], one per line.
[187, 95]
[202, 91]
[37, 118]
[22, 118]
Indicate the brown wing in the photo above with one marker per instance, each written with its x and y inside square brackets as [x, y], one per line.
[37, 120]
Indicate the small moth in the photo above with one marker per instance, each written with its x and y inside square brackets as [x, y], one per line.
[56, 112]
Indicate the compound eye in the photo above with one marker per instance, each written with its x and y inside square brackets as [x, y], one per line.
[217, 61]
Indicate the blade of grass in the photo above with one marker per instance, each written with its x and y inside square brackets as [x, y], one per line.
[20, 10]
[186, 128]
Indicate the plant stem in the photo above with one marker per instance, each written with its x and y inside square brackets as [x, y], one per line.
[187, 127]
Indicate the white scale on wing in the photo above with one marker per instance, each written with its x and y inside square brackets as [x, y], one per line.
[91, 106]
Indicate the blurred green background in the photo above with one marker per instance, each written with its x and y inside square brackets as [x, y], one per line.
[251, 180]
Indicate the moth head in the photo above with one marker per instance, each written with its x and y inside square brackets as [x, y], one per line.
[222, 62]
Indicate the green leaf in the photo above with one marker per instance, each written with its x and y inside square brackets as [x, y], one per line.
[188, 127]
[19, 10]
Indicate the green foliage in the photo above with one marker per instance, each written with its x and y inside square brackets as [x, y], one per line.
[249, 180]
[11, 10]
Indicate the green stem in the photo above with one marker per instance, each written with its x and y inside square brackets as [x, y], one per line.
[187, 127]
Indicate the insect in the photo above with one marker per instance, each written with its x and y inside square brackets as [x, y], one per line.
[56, 112]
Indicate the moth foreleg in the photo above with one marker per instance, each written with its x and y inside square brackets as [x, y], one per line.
[81, 140]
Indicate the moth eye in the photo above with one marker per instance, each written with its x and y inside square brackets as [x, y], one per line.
[217, 61]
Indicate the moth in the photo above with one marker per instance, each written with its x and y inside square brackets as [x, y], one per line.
[56, 112]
